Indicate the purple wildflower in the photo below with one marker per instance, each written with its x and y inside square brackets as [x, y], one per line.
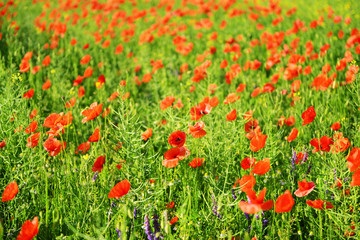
[95, 176]
[293, 160]
[233, 194]
[119, 233]
[148, 231]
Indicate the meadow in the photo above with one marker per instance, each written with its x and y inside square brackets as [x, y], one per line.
[219, 119]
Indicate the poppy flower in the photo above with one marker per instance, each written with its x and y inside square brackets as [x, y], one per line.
[200, 110]
[81, 92]
[95, 136]
[10, 192]
[32, 127]
[85, 59]
[88, 72]
[246, 182]
[33, 140]
[98, 164]
[83, 148]
[120, 189]
[174, 155]
[284, 202]
[258, 142]
[167, 102]
[147, 134]
[71, 103]
[319, 204]
[232, 97]
[240, 88]
[2, 144]
[54, 146]
[290, 121]
[46, 61]
[196, 162]
[24, 67]
[262, 167]
[170, 205]
[231, 115]
[341, 144]
[336, 126]
[197, 130]
[92, 112]
[46, 85]
[247, 163]
[174, 220]
[353, 159]
[177, 138]
[119, 49]
[256, 203]
[293, 135]
[308, 116]
[29, 229]
[305, 188]
[250, 125]
[33, 113]
[355, 180]
[29, 94]
[178, 104]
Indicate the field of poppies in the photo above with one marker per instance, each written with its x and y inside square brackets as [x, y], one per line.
[191, 119]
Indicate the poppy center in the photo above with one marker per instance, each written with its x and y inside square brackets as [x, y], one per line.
[178, 140]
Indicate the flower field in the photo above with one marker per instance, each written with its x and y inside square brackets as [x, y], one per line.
[218, 119]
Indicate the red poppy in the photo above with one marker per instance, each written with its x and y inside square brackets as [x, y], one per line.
[98, 164]
[2, 144]
[293, 135]
[174, 220]
[29, 94]
[284, 202]
[353, 159]
[196, 162]
[177, 138]
[240, 88]
[119, 49]
[256, 92]
[319, 204]
[201, 109]
[305, 188]
[88, 72]
[71, 103]
[232, 97]
[262, 167]
[96, 136]
[336, 126]
[290, 121]
[81, 92]
[83, 148]
[308, 116]
[246, 182]
[33, 113]
[147, 134]
[167, 102]
[197, 130]
[120, 189]
[355, 180]
[92, 112]
[170, 205]
[247, 163]
[32, 127]
[33, 140]
[54, 146]
[24, 67]
[29, 229]
[46, 61]
[250, 125]
[10, 192]
[231, 115]
[174, 155]
[85, 59]
[46, 85]
[258, 142]
[256, 203]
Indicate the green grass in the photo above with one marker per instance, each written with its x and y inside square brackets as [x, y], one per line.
[70, 205]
